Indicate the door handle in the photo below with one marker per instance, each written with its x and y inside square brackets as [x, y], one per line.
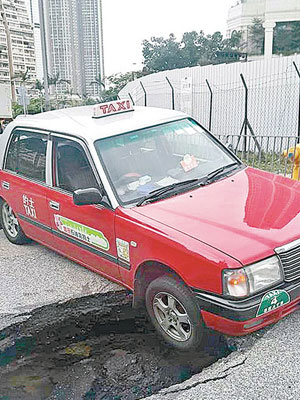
[54, 205]
[5, 185]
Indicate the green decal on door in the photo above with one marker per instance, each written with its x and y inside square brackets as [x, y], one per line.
[273, 300]
[82, 232]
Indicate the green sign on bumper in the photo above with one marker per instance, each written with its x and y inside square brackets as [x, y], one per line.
[273, 300]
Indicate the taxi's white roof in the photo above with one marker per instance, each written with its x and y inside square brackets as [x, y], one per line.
[78, 121]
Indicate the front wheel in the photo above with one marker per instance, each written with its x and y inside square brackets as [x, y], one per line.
[10, 225]
[174, 313]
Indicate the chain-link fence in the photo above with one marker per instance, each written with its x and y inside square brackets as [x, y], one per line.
[260, 98]
[277, 154]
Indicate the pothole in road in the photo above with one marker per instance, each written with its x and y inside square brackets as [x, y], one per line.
[95, 347]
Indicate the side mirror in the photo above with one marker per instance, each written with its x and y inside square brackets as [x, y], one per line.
[84, 197]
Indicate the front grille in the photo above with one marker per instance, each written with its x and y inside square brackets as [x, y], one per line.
[290, 261]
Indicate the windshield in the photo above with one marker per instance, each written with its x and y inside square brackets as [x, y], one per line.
[141, 161]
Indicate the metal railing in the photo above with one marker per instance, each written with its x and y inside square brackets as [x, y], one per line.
[264, 152]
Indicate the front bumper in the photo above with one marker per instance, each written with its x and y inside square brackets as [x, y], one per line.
[239, 317]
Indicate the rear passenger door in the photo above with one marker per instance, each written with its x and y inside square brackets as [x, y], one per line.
[83, 233]
[25, 180]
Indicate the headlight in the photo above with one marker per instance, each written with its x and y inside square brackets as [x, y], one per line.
[253, 278]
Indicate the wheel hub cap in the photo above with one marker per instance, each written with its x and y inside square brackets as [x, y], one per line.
[172, 316]
[10, 221]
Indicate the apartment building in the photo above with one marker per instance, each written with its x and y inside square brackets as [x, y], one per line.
[34, 18]
[73, 29]
[22, 40]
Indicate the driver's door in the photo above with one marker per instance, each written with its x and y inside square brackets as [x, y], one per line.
[83, 233]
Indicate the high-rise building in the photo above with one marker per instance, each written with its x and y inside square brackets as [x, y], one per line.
[22, 43]
[73, 29]
[34, 18]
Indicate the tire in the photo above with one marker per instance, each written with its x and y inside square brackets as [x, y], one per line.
[174, 313]
[11, 226]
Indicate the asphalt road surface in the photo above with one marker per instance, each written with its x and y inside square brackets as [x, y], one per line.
[67, 333]
[33, 276]
[265, 366]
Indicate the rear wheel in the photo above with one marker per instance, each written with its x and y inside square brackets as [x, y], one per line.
[174, 313]
[10, 225]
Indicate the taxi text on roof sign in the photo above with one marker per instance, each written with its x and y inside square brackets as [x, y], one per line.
[112, 107]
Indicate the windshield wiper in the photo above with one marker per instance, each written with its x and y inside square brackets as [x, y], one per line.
[209, 177]
[157, 193]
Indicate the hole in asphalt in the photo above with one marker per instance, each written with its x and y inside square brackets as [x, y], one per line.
[96, 347]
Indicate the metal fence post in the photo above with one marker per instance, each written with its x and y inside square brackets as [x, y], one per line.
[131, 98]
[144, 93]
[173, 94]
[298, 73]
[246, 123]
[210, 105]
[246, 112]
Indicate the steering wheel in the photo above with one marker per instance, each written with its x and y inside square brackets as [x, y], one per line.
[129, 177]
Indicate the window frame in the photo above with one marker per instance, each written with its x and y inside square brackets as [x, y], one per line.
[36, 132]
[214, 139]
[54, 171]
[84, 146]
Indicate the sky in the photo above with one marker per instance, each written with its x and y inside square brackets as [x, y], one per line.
[127, 23]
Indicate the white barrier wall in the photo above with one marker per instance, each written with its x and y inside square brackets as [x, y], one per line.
[274, 88]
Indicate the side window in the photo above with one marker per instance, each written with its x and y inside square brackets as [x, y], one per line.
[72, 168]
[26, 155]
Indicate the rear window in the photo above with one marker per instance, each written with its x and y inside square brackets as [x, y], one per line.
[26, 155]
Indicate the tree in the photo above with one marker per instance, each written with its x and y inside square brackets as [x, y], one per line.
[215, 44]
[38, 85]
[116, 82]
[54, 80]
[34, 107]
[193, 45]
[162, 54]
[256, 37]
[296, 37]
[235, 42]
[88, 101]
[22, 77]
[98, 81]
[287, 38]
[194, 49]
[17, 109]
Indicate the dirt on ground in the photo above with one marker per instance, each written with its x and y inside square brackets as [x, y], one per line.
[96, 347]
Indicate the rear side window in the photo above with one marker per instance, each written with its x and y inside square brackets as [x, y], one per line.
[26, 155]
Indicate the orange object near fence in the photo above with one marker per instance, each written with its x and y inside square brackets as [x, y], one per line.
[293, 155]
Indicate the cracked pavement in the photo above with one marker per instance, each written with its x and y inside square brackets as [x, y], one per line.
[33, 276]
[265, 365]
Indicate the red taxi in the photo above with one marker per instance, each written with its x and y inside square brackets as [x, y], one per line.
[149, 199]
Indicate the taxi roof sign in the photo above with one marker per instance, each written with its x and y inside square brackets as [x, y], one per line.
[112, 107]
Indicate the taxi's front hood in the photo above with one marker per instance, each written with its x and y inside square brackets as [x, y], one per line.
[245, 216]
